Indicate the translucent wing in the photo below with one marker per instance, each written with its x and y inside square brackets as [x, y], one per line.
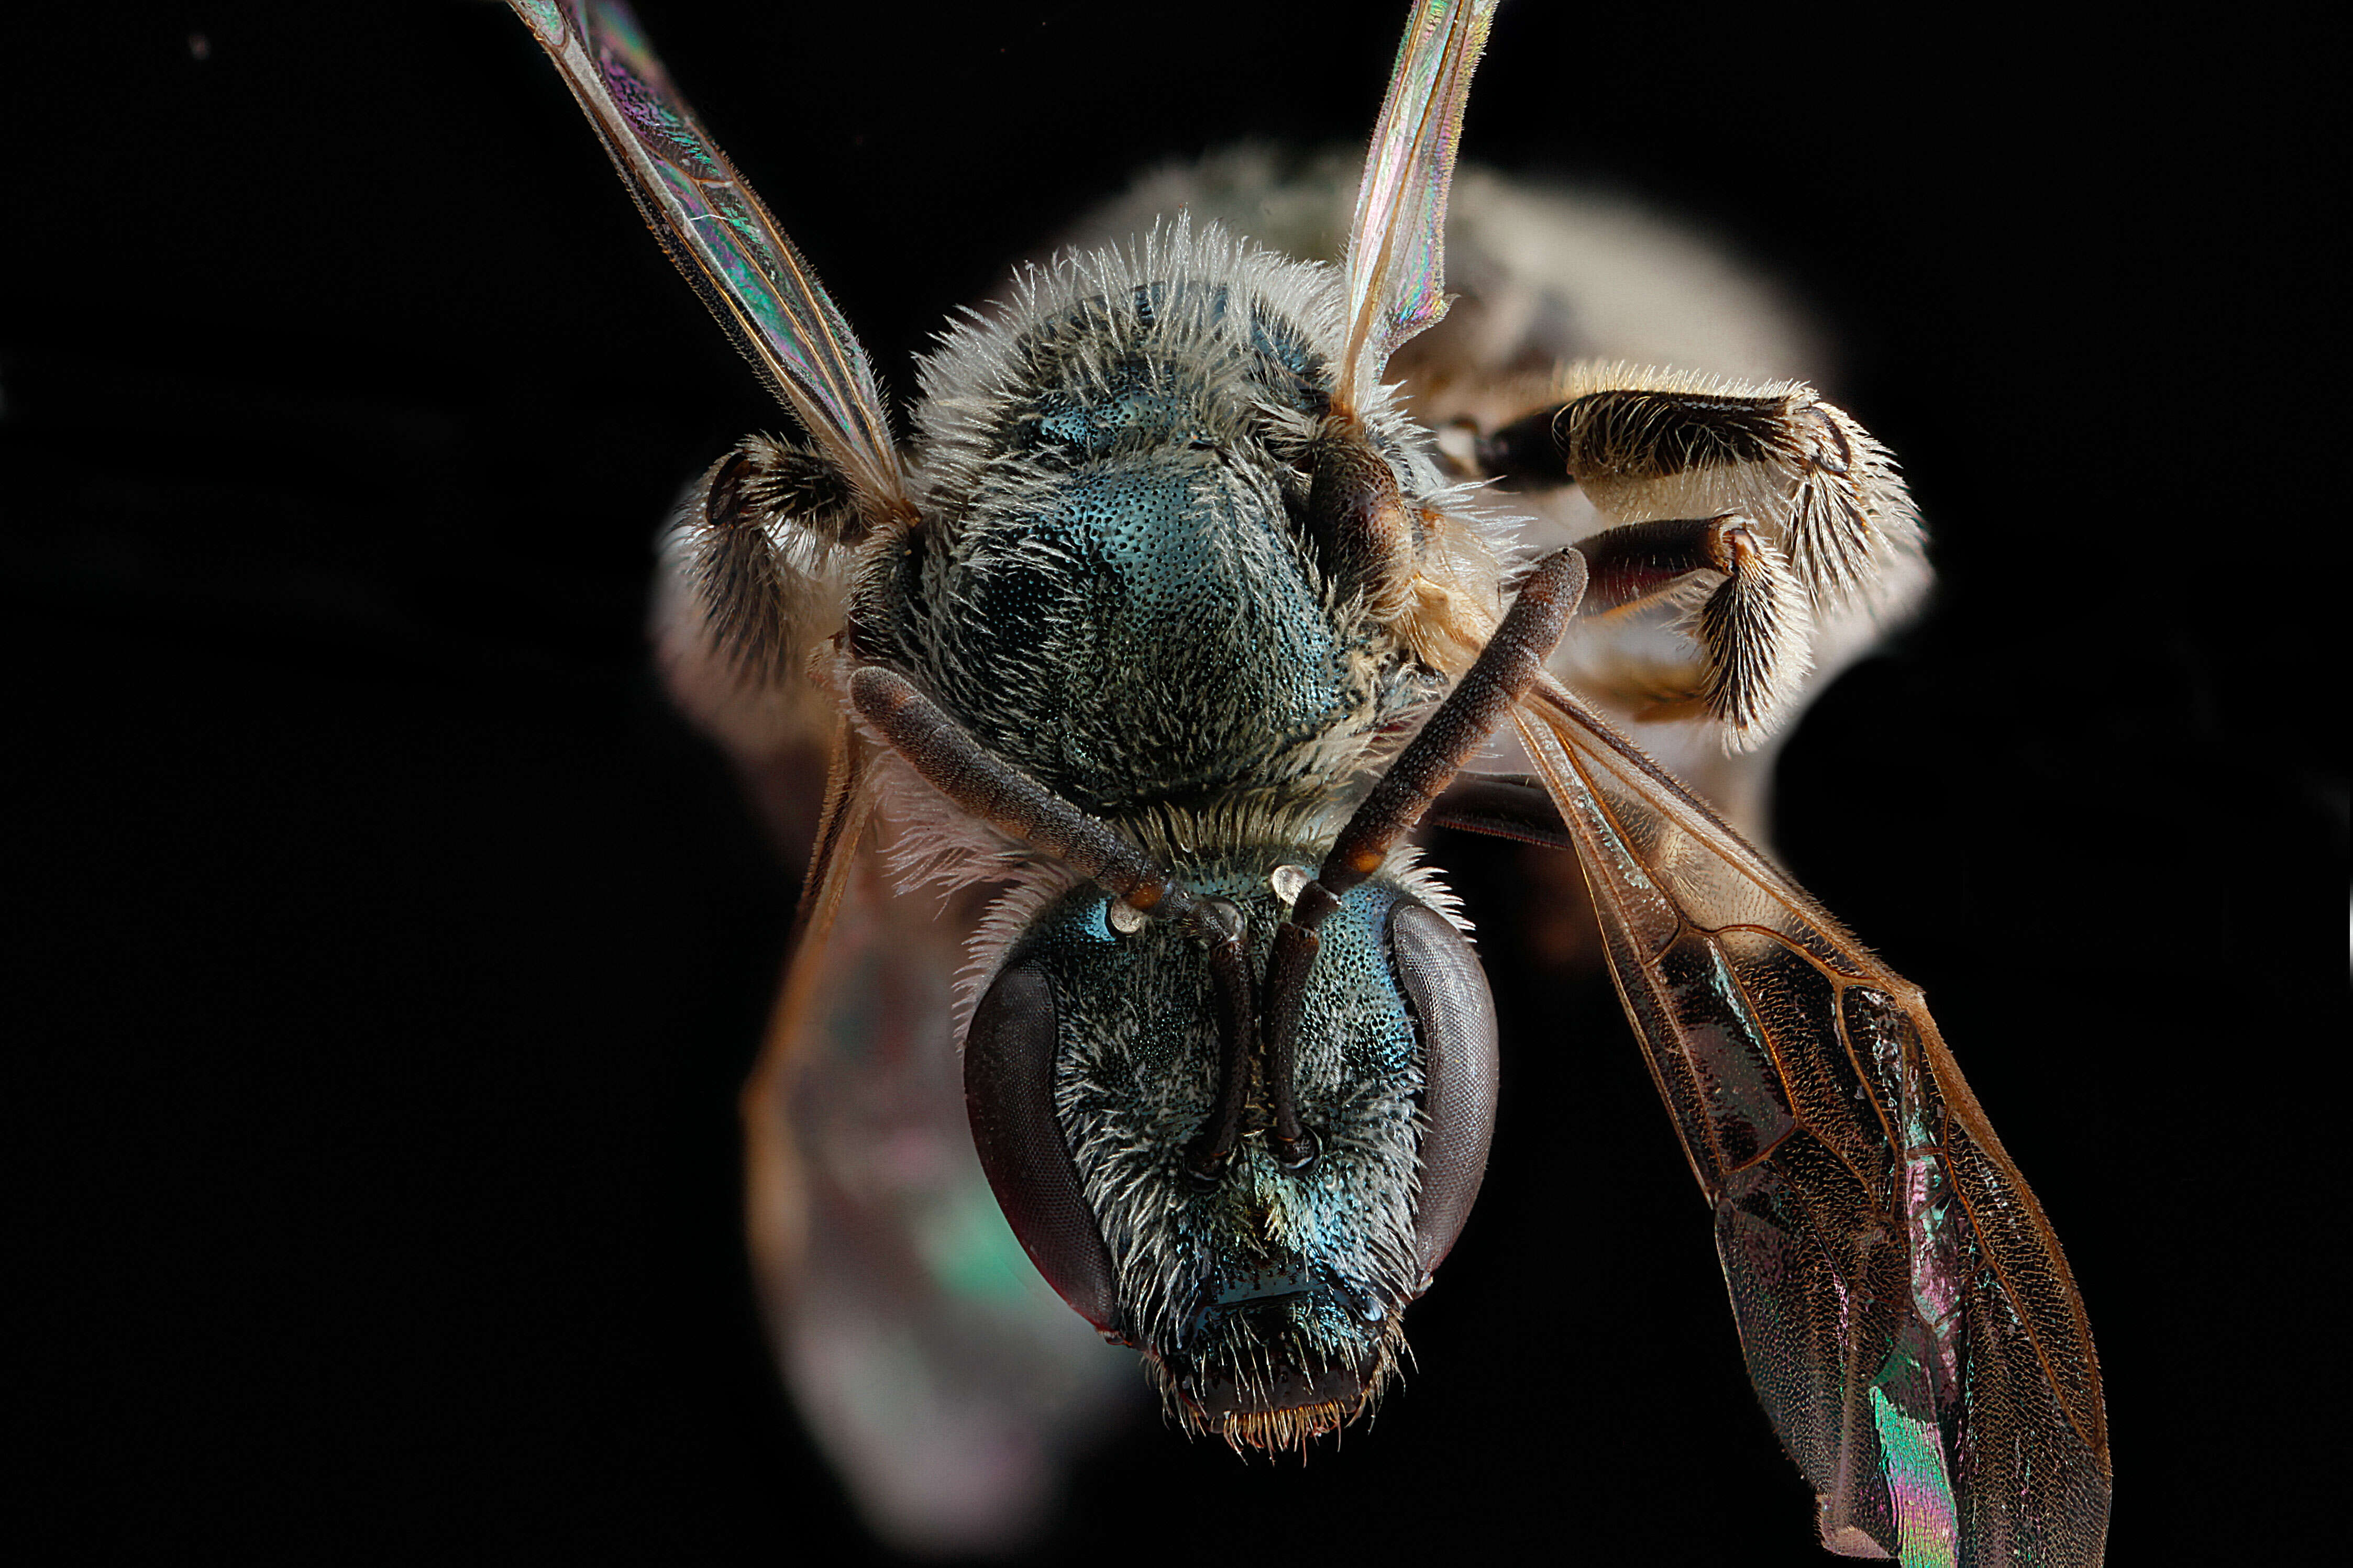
[941, 1374]
[1397, 252]
[1908, 1320]
[720, 236]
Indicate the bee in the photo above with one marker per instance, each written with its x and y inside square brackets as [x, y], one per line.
[1152, 647]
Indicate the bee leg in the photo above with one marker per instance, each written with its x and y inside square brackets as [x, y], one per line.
[755, 547]
[1830, 525]
[1816, 480]
[1479, 702]
[1755, 629]
[986, 785]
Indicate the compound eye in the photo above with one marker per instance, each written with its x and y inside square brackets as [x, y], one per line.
[1455, 1017]
[1008, 1092]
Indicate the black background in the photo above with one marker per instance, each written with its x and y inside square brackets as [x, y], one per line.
[384, 957]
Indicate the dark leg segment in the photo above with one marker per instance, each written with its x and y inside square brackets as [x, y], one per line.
[1643, 559]
[1646, 434]
[1754, 627]
[1649, 433]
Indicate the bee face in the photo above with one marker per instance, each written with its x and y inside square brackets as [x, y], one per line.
[1268, 1296]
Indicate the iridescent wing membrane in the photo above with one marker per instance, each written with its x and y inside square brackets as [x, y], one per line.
[755, 282]
[723, 240]
[1396, 249]
[1908, 1319]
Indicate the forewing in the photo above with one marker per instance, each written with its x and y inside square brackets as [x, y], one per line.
[1908, 1320]
[723, 240]
[1397, 253]
[944, 1379]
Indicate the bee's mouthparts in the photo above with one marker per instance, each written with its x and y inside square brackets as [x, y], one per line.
[1266, 1284]
[1222, 1392]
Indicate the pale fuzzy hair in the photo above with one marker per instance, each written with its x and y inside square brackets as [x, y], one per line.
[979, 362]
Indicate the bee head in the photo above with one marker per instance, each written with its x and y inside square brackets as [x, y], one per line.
[1267, 1297]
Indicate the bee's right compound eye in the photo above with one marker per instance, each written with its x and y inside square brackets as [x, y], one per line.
[1455, 1017]
[1008, 1091]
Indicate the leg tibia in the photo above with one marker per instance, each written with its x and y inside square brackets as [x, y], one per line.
[1754, 628]
[758, 554]
[754, 567]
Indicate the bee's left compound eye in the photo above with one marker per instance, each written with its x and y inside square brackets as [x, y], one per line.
[1455, 1015]
[1008, 1091]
